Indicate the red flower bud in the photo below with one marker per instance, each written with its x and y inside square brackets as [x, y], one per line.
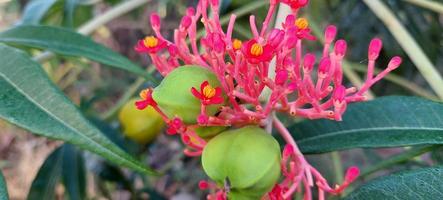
[324, 66]
[395, 62]
[155, 20]
[374, 48]
[351, 174]
[340, 48]
[186, 21]
[214, 3]
[340, 93]
[190, 11]
[288, 150]
[281, 77]
[276, 37]
[309, 61]
[330, 33]
[203, 185]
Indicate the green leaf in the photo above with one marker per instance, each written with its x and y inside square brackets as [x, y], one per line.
[35, 11]
[74, 175]
[66, 42]
[30, 100]
[3, 190]
[411, 185]
[384, 122]
[43, 186]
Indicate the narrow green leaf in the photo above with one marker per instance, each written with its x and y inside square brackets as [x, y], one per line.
[73, 173]
[67, 42]
[43, 186]
[410, 185]
[30, 100]
[3, 190]
[384, 122]
[35, 10]
[65, 163]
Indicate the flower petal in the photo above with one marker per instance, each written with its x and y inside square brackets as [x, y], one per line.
[218, 92]
[142, 104]
[197, 94]
[203, 85]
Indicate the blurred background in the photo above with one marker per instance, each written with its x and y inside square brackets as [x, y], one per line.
[101, 92]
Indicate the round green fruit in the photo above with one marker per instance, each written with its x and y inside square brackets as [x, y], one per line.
[142, 126]
[247, 158]
[174, 96]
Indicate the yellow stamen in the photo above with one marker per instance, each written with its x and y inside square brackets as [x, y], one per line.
[208, 91]
[150, 41]
[236, 44]
[302, 23]
[144, 94]
[256, 49]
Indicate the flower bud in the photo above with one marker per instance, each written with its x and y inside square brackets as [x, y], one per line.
[155, 20]
[288, 150]
[186, 21]
[351, 174]
[190, 11]
[374, 48]
[340, 48]
[395, 62]
[247, 158]
[174, 96]
[330, 33]
[324, 66]
[276, 37]
[289, 21]
[281, 77]
[309, 62]
[142, 126]
[214, 3]
[340, 93]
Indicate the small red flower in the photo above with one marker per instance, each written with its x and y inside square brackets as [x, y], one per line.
[208, 95]
[174, 126]
[295, 4]
[146, 100]
[150, 44]
[301, 29]
[256, 52]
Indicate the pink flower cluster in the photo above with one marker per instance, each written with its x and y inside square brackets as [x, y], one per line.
[301, 83]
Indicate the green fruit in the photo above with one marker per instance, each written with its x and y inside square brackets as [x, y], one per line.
[174, 96]
[142, 126]
[248, 157]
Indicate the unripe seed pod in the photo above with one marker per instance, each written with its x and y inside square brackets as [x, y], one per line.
[142, 126]
[247, 158]
[174, 96]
